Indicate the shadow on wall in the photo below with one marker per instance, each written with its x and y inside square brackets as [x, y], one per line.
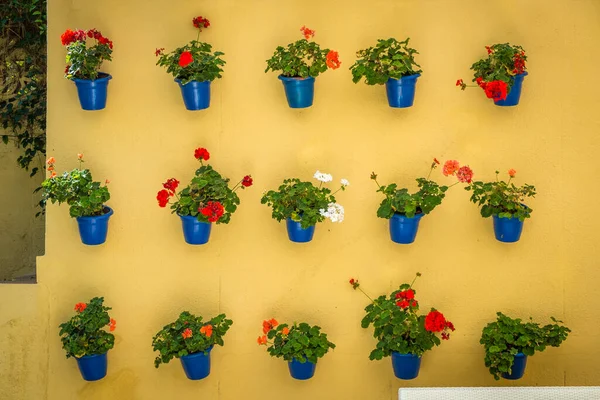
[21, 233]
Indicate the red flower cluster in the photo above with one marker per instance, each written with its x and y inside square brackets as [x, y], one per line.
[354, 283]
[333, 60]
[489, 49]
[406, 298]
[113, 325]
[185, 59]
[213, 210]
[187, 333]
[519, 63]
[308, 33]
[159, 52]
[79, 307]
[436, 322]
[496, 90]
[464, 174]
[79, 35]
[512, 172]
[163, 198]
[450, 167]
[247, 181]
[171, 184]
[200, 22]
[93, 33]
[201, 154]
[207, 330]
[270, 324]
[262, 340]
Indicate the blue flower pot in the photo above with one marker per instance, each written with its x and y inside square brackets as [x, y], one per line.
[507, 230]
[297, 234]
[406, 366]
[302, 371]
[93, 230]
[93, 368]
[300, 92]
[92, 93]
[194, 231]
[518, 367]
[403, 230]
[512, 99]
[196, 95]
[197, 365]
[401, 92]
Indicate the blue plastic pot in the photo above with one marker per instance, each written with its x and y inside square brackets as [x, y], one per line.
[401, 92]
[93, 230]
[297, 234]
[403, 230]
[300, 92]
[93, 367]
[302, 371]
[196, 95]
[406, 366]
[197, 365]
[518, 367]
[512, 99]
[194, 231]
[507, 230]
[92, 93]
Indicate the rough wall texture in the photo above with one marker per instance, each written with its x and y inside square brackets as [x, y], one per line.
[250, 270]
[21, 233]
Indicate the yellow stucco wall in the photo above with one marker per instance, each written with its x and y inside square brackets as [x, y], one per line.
[250, 270]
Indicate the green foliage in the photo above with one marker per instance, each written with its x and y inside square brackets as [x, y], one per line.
[170, 341]
[388, 59]
[83, 335]
[300, 59]
[77, 188]
[84, 62]
[302, 343]
[500, 64]
[500, 198]
[428, 197]
[207, 185]
[23, 75]
[206, 65]
[300, 201]
[506, 337]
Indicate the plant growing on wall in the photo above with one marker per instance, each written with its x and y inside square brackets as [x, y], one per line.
[387, 59]
[507, 340]
[502, 70]
[300, 344]
[400, 329]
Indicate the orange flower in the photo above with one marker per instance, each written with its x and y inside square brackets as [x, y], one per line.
[187, 333]
[262, 340]
[53, 174]
[285, 330]
[113, 325]
[512, 173]
[333, 60]
[207, 330]
[450, 167]
[51, 167]
[80, 156]
[308, 33]
[435, 160]
[268, 325]
[106, 182]
[51, 160]
[79, 307]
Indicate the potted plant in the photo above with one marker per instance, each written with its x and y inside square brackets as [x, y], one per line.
[194, 67]
[501, 74]
[84, 338]
[83, 66]
[191, 340]
[206, 199]
[509, 341]
[404, 210]
[401, 331]
[303, 204]
[503, 201]
[85, 197]
[300, 63]
[393, 63]
[301, 345]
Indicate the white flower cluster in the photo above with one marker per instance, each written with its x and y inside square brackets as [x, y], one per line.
[345, 182]
[334, 212]
[320, 176]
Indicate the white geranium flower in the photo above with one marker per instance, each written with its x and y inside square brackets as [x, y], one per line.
[320, 176]
[334, 212]
[345, 182]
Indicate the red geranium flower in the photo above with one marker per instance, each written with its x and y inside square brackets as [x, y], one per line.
[70, 36]
[207, 330]
[270, 324]
[450, 167]
[213, 211]
[333, 60]
[308, 33]
[496, 90]
[163, 198]
[262, 340]
[201, 154]
[435, 321]
[113, 325]
[200, 22]
[489, 49]
[464, 174]
[187, 333]
[79, 307]
[171, 185]
[247, 181]
[185, 59]
[512, 172]
[159, 52]
[402, 304]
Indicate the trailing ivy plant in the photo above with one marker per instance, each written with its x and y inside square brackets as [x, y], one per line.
[77, 188]
[83, 334]
[301, 342]
[503, 199]
[387, 59]
[303, 59]
[423, 201]
[506, 337]
[189, 335]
